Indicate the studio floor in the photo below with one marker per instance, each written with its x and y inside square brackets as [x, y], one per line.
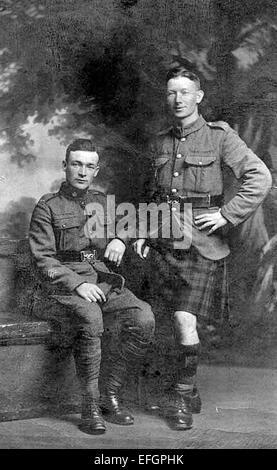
[239, 412]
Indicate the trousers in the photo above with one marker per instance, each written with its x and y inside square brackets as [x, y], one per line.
[128, 323]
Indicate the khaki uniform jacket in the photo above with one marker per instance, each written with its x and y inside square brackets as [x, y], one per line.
[189, 162]
[60, 223]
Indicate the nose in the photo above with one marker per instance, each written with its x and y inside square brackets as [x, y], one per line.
[178, 97]
[82, 170]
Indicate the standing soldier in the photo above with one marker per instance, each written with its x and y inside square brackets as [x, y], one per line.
[79, 289]
[188, 159]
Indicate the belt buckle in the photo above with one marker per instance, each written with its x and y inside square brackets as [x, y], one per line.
[172, 200]
[88, 255]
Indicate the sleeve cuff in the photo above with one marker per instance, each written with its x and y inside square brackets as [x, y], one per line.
[226, 216]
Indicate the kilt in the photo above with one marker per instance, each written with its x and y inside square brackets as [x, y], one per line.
[192, 283]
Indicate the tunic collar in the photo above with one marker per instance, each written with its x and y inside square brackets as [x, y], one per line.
[73, 193]
[180, 132]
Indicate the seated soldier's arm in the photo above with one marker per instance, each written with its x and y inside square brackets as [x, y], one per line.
[43, 248]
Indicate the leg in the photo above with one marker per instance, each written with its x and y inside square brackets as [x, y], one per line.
[187, 358]
[192, 280]
[134, 328]
[188, 353]
[86, 321]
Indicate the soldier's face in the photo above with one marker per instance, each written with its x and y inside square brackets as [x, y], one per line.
[81, 168]
[183, 98]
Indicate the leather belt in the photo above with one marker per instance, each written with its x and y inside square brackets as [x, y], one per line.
[197, 202]
[84, 255]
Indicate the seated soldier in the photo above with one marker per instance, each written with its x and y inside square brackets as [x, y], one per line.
[81, 290]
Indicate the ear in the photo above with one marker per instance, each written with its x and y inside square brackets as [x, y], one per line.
[200, 96]
[64, 165]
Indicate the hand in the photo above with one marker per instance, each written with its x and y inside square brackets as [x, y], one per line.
[91, 292]
[115, 251]
[140, 249]
[211, 219]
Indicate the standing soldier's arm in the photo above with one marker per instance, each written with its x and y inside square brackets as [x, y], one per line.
[256, 178]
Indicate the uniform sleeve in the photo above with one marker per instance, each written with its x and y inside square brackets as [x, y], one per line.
[254, 175]
[43, 248]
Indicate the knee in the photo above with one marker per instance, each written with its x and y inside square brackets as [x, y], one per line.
[145, 319]
[185, 321]
[90, 330]
[90, 323]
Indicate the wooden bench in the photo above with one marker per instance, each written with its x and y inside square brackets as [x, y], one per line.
[36, 377]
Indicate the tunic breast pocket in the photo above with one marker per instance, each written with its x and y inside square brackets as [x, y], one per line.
[206, 171]
[163, 171]
[67, 232]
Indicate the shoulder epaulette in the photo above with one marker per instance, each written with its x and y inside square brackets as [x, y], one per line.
[221, 124]
[164, 131]
[47, 197]
[96, 192]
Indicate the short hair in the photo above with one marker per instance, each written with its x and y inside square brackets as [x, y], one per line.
[183, 72]
[81, 144]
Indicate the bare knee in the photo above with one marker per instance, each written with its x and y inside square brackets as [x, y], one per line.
[185, 320]
[185, 327]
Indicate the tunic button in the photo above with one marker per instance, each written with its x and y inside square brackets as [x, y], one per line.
[179, 155]
[74, 194]
[200, 163]
[174, 190]
[63, 225]
[176, 174]
[183, 139]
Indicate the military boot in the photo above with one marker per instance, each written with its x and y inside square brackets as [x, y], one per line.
[92, 421]
[178, 412]
[113, 411]
[111, 407]
[156, 406]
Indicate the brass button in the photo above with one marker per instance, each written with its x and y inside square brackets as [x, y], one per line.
[63, 225]
[200, 163]
[176, 174]
[174, 190]
[183, 139]
[179, 155]
[74, 194]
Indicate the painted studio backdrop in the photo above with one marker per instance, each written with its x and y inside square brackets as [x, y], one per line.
[96, 69]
